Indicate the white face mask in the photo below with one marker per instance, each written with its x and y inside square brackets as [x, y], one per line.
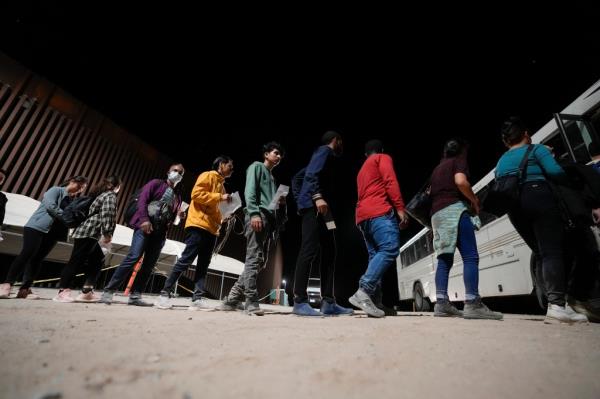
[174, 177]
[116, 190]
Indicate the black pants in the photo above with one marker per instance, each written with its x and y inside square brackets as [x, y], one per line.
[36, 246]
[539, 222]
[86, 252]
[316, 240]
[200, 243]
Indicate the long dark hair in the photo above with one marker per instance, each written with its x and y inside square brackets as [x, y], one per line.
[106, 184]
[77, 179]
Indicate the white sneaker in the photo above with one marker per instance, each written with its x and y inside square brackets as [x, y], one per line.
[201, 304]
[4, 291]
[163, 302]
[559, 314]
[88, 297]
[64, 296]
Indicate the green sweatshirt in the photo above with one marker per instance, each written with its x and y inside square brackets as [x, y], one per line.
[260, 189]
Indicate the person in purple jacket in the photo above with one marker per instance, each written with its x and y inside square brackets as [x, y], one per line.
[149, 235]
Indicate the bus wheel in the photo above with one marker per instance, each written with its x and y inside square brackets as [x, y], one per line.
[538, 282]
[421, 303]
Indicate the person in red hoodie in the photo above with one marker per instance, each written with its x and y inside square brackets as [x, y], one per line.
[379, 216]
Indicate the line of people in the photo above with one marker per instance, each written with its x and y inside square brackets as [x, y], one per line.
[380, 215]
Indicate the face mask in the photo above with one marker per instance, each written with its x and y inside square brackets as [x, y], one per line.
[116, 190]
[174, 177]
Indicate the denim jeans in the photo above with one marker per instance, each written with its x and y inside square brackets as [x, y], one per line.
[382, 237]
[467, 246]
[200, 243]
[148, 245]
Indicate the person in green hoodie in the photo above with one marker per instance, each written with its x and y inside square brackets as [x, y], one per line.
[261, 227]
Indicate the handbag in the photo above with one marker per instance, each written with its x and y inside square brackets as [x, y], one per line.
[419, 207]
[505, 191]
[160, 214]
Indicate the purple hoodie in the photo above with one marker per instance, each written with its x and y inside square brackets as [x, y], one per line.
[152, 191]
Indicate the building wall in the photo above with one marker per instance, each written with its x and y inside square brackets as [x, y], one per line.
[46, 136]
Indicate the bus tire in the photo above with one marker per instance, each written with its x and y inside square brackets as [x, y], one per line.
[421, 303]
[538, 282]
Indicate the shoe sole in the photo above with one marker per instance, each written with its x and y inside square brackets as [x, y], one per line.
[356, 303]
[446, 315]
[482, 318]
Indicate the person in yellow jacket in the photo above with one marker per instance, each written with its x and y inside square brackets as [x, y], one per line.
[201, 231]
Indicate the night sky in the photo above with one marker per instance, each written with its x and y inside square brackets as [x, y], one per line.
[198, 84]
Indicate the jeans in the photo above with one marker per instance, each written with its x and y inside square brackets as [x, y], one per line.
[148, 245]
[467, 246]
[382, 237]
[316, 240]
[257, 247]
[200, 243]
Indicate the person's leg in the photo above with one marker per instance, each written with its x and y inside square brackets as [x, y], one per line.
[467, 246]
[256, 256]
[32, 240]
[329, 307]
[138, 244]
[154, 245]
[81, 249]
[35, 264]
[192, 242]
[385, 234]
[309, 250]
[93, 267]
[442, 271]
[205, 251]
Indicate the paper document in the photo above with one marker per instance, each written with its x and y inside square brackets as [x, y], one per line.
[282, 191]
[228, 208]
[182, 208]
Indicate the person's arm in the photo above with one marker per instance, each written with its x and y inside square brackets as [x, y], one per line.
[51, 202]
[202, 192]
[549, 165]
[312, 174]
[392, 187]
[108, 215]
[461, 181]
[145, 198]
[252, 195]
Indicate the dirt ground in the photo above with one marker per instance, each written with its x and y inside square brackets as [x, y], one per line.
[52, 350]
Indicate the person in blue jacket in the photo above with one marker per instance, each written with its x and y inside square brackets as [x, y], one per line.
[313, 187]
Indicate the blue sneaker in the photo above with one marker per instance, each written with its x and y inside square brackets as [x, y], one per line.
[304, 309]
[333, 309]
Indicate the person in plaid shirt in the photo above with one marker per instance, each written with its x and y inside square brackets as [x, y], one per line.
[100, 224]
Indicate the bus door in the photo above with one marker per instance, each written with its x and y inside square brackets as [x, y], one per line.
[578, 133]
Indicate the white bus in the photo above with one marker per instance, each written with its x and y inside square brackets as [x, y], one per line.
[506, 265]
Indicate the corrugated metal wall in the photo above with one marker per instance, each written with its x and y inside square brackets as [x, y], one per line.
[47, 136]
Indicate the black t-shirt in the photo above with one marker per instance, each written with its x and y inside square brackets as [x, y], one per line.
[444, 191]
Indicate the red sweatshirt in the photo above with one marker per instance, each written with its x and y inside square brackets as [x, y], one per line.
[378, 189]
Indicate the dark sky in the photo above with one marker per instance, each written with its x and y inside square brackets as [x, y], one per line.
[199, 83]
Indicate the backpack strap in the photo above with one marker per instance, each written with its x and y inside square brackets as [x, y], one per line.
[523, 164]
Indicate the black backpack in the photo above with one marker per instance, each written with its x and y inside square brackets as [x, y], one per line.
[77, 211]
[131, 206]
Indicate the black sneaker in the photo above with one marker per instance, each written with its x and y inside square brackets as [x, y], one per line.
[136, 301]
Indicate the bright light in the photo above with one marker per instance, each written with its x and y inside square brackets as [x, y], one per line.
[283, 281]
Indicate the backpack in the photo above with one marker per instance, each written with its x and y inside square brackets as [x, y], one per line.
[77, 211]
[131, 207]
